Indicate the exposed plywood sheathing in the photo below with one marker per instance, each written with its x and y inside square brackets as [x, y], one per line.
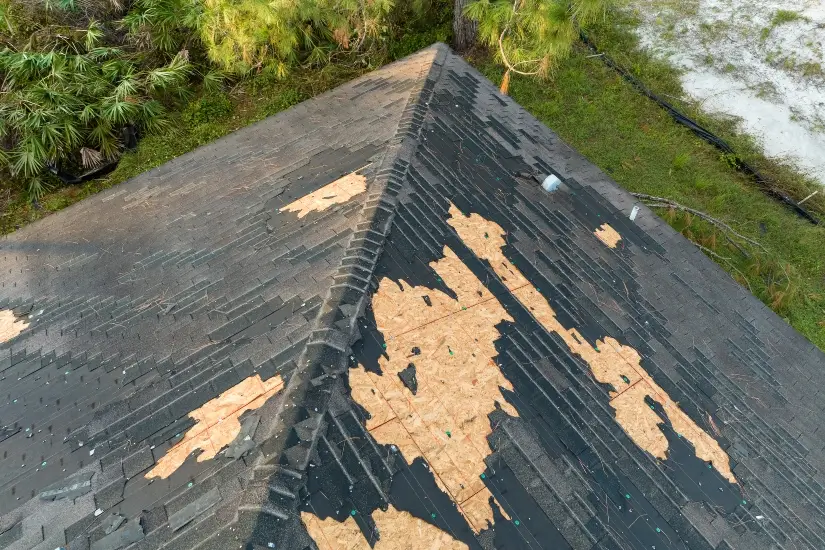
[217, 423]
[611, 362]
[10, 326]
[608, 235]
[397, 530]
[337, 192]
[446, 421]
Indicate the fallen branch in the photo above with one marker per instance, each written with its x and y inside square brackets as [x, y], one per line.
[710, 252]
[661, 202]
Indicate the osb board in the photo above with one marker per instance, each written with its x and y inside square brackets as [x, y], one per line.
[337, 192]
[10, 326]
[217, 423]
[609, 236]
[446, 421]
[486, 239]
[611, 362]
[403, 307]
[397, 530]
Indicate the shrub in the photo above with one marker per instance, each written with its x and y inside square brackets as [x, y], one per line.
[67, 102]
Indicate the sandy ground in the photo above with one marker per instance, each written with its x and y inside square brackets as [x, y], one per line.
[762, 61]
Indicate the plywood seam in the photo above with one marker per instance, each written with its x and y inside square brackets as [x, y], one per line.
[435, 473]
[384, 423]
[467, 308]
[483, 488]
[627, 388]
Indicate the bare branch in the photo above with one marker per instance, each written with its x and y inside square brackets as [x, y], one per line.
[661, 202]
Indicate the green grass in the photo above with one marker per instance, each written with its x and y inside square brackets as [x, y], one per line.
[781, 17]
[638, 145]
[785, 16]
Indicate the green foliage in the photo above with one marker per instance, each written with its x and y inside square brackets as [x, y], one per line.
[164, 26]
[207, 109]
[629, 137]
[242, 35]
[65, 103]
[785, 16]
[531, 36]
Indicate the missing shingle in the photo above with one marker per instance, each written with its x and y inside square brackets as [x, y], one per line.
[455, 381]
[611, 363]
[217, 423]
[397, 530]
[10, 325]
[337, 192]
[609, 236]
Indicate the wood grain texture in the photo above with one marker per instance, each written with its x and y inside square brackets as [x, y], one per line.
[337, 192]
[10, 326]
[217, 423]
[610, 362]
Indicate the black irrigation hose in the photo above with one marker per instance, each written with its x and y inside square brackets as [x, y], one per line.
[705, 134]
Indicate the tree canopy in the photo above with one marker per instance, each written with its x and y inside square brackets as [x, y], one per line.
[75, 73]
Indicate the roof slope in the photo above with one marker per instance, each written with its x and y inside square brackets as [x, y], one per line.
[453, 356]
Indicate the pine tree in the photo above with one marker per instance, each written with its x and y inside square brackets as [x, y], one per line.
[530, 37]
[244, 35]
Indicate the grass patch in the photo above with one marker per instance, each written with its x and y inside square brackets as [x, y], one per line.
[640, 146]
[782, 17]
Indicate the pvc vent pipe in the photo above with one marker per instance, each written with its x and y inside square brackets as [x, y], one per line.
[551, 183]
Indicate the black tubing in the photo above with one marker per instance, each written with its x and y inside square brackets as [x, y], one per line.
[705, 134]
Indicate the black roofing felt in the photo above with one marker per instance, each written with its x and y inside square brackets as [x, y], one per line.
[150, 299]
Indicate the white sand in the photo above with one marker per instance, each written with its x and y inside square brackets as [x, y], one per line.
[737, 63]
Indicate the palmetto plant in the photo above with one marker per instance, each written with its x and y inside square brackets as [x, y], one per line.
[163, 26]
[66, 103]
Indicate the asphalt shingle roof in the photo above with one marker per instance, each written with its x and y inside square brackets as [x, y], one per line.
[452, 356]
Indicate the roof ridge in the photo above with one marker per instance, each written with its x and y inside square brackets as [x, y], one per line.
[288, 444]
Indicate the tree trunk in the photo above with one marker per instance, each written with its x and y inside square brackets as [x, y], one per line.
[464, 30]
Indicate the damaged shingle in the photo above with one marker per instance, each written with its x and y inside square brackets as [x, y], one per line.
[71, 487]
[132, 532]
[407, 376]
[192, 510]
[243, 443]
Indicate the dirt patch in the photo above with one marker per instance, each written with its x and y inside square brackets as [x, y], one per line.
[760, 61]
